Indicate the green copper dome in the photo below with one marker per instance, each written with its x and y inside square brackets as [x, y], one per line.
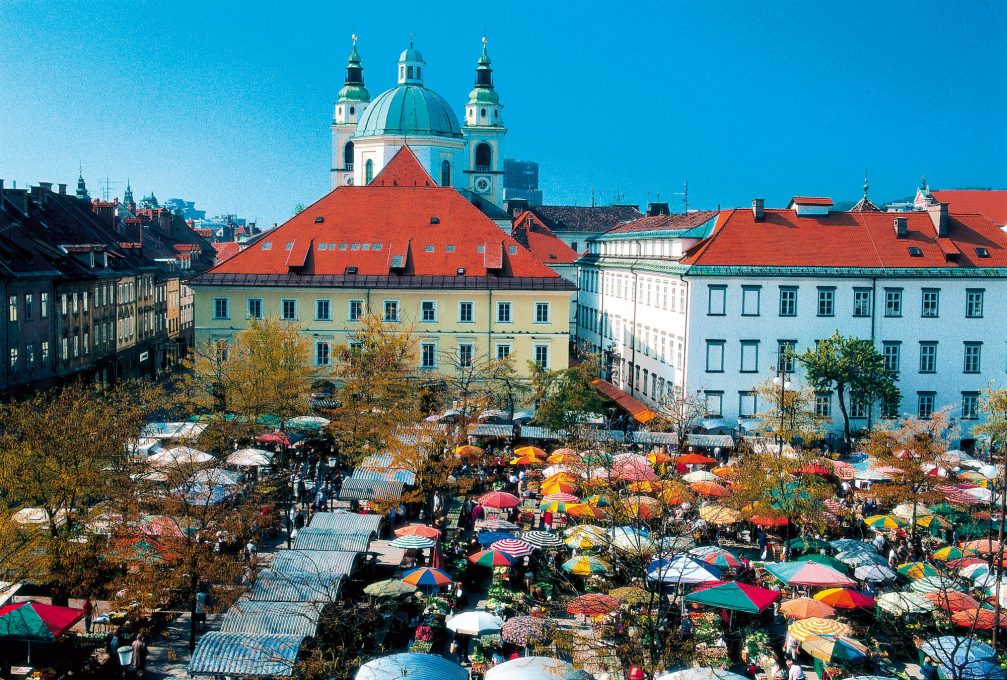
[354, 93]
[409, 110]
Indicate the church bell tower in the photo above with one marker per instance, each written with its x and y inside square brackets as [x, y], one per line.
[353, 99]
[484, 130]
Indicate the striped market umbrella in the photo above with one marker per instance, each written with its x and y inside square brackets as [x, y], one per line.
[496, 525]
[36, 622]
[514, 547]
[806, 608]
[532, 451]
[542, 539]
[884, 522]
[491, 558]
[561, 497]
[918, 570]
[835, 649]
[844, 598]
[899, 603]
[418, 530]
[413, 542]
[826, 560]
[499, 499]
[585, 565]
[586, 536]
[814, 626]
[592, 604]
[809, 574]
[426, 577]
[950, 552]
[584, 511]
[720, 557]
[559, 483]
[555, 506]
[933, 584]
[740, 597]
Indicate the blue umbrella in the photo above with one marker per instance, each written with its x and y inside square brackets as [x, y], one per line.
[949, 650]
[418, 666]
[487, 537]
[980, 669]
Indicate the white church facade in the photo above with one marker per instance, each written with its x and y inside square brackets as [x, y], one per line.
[366, 133]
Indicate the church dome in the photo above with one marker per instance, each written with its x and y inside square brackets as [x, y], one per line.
[409, 110]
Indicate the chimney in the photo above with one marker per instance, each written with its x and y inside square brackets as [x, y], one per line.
[62, 189]
[515, 206]
[1, 194]
[656, 209]
[758, 209]
[901, 227]
[46, 186]
[939, 217]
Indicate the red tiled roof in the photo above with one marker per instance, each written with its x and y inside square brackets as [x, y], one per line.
[589, 219]
[661, 222]
[630, 404]
[988, 203]
[225, 250]
[811, 200]
[847, 239]
[541, 241]
[402, 214]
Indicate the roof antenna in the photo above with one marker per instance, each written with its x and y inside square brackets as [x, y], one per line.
[411, 36]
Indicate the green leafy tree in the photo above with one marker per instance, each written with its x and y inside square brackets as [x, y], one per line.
[994, 409]
[849, 366]
[566, 398]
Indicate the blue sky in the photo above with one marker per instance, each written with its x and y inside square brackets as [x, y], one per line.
[228, 103]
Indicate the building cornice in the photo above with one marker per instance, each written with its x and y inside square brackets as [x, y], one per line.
[524, 283]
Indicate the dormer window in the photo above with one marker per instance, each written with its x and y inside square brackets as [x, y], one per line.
[982, 252]
[409, 72]
[418, 76]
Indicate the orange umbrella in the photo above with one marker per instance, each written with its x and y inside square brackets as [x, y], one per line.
[657, 458]
[533, 451]
[982, 546]
[418, 530]
[468, 450]
[769, 521]
[806, 608]
[675, 493]
[585, 510]
[844, 598]
[526, 460]
[952, 600]
[726, 471]
[709, 489]
[557, 486]
[695, 459]
[646, 487]
[643, 507]
[980, 618]
[561, 458]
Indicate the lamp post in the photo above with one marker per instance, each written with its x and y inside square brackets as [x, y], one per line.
[781, 381]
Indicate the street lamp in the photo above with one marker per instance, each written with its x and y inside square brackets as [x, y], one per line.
[781, 381]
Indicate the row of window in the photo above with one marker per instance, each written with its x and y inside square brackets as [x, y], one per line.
[891, 351]
[391, 310]
[857, 409]
[429, 355]
[863, 304]
[651, 385]
[29, 355]
[19, 306]
[665, 348]
[654, 292]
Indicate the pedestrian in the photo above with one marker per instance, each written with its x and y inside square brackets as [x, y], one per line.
[794, 671]
[250, 550]
[201, 607]
[88, 609]
[139, 655]
[763, 545]
[928, 671]
[791, 647]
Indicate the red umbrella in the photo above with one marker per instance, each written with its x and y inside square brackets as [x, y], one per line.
[952, 600]
[709, 489]
[844, 598]
[695, 459]
[499, 499]
[814, 469]
[731, 595]
[592, 604]
[980, 618]
[273, 438]
[765, 521]
[418, 530]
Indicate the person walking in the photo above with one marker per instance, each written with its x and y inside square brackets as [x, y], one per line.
[88, 609]
[140, 655]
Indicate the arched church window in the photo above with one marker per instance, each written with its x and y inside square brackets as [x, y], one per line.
[348, 156]
[482, 113]
[445, 173]
[418, 76]
[368, 171]
[484, 157]
[409, 72]
[353, 110]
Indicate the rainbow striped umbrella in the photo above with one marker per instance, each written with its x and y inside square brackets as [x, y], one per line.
[426, 577]
[491, 558]
[884, 522]
[585, 565]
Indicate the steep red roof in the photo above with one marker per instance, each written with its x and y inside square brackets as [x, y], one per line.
[403, 223]
[225, 250]
[811, 200]
[988, 203]
[847, 239]
[663, 222]
[548, 248]
[584, 218]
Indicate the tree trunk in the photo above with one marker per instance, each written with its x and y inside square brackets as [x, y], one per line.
[847, 443]
[193, 590]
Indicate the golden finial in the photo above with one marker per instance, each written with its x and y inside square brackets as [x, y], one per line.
[354, 37]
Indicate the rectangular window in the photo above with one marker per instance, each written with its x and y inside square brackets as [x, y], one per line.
[974, 303]
[925, 404]
[889, 407]
[323, 310]
[465, 353]
[503, 351]
[785, 352]
[503, 312]
[717, 301]
[541, 312]
[646, 381]
[254, 308]
[890, 351]
[322, 353]
[87, 341]
[750, 300]
[858, 408]
[749, 356]
[391, 310]
[714, 404]
[861, 302]
[823, 405]
[220, 308]
[715, 356]
[428, 355]
[13, 358]
[929, 303]
[970, 405]
[928, 357]
[356, 310]
[428, 311]
[893, 302]
[29, 308]
[84, 296]
[29, 354]
[465, 312]
[746, 405]
[542, 356]
[973, 357]
[44, 300]
[76, 304]
[45, 350]
[288, 309]
[12, 309]
[826, 301]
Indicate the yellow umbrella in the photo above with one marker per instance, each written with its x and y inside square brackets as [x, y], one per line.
[468, 450]
[715, 514]
[646, 487]
[584, 510]
[585, 536]
[557, 486]
[533, 451]
[526, 460]
[561, 458]
[814, 626]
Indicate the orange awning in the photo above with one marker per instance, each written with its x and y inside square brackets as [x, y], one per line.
[631, 405]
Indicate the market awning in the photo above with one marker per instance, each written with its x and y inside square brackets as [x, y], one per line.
[239, 654]
[323, 562]
[274, 586]
[636, 408]
[533, 432]
[350, 522]
[272, 618]
[659, 438]
[710, 441]
[311, 538]
[370, 490]
[382, 466]
[492, 430]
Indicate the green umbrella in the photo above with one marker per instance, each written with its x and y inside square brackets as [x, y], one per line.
[947, 510]
[826, 560]
[974, 529]
[36, 622]
[735, 596]
[807, 544]
[390, 588]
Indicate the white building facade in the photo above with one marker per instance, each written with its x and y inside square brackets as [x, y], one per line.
[709, 306]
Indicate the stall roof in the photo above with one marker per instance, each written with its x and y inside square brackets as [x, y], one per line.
[534, 432]
[323, 562]
[710, 441]
[382, 466]
[240, 654]
[492, 430]
[352, 522]
[636, 408]
[183, 430]
[272, 618]
[312, 538]
[661, 438]
[370, 489]
[274, 586]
